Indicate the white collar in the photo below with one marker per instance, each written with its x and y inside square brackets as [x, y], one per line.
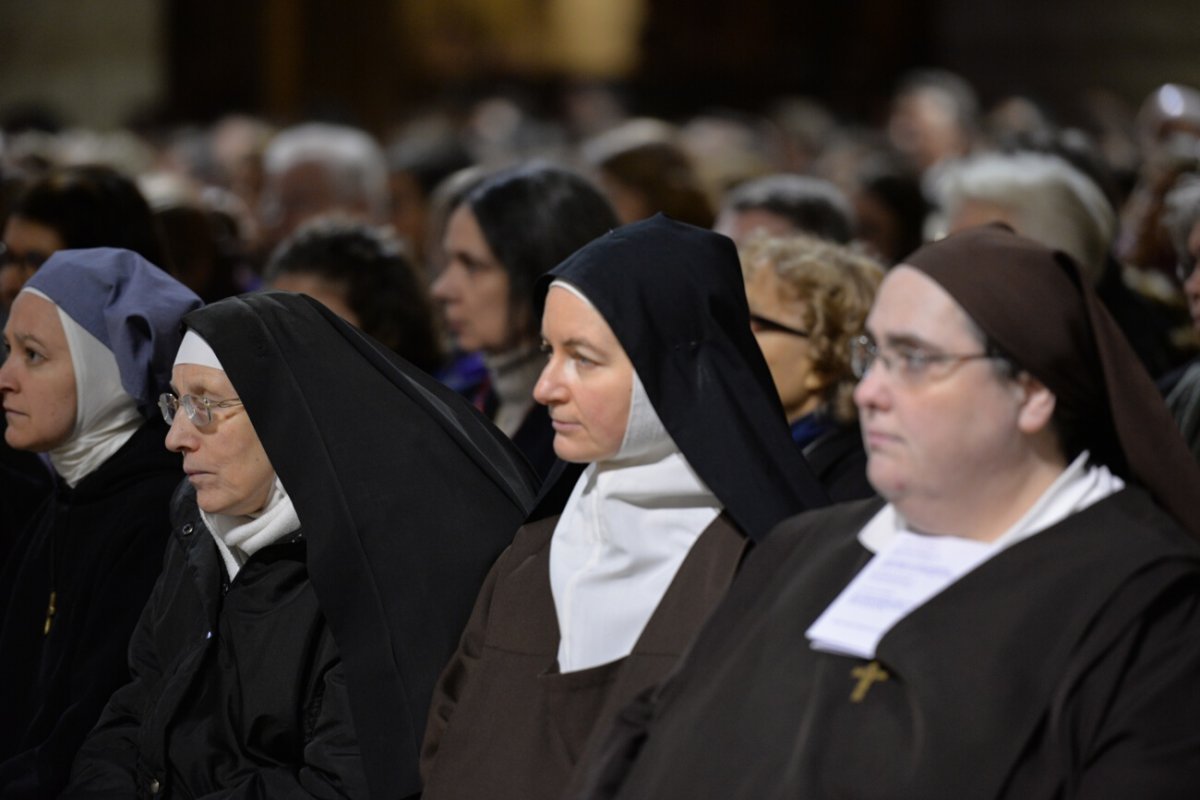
[626, 528]
[240, 537]
[910, 568]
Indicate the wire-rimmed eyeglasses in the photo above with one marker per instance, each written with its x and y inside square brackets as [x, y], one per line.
[197, 409]
[909, 363]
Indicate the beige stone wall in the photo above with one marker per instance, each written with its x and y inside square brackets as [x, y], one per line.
[94, 62]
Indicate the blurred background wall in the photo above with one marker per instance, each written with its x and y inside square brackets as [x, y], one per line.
[371, 62]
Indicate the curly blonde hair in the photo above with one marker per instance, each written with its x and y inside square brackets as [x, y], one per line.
[837, 285]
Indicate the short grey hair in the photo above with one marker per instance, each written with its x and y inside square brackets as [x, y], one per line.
[353, 158]
[1052, 202]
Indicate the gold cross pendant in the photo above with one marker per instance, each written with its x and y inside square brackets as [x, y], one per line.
[51, 610]
[866, 676]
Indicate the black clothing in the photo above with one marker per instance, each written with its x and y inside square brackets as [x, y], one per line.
[405, 495]
[1144, 323]
[98, 548]
[25, 482]
[258, 643]
[839, 461]
[1064, 666]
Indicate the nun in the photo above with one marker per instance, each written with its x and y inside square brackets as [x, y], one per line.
[676, 460]
[89, 346]
[340, 512]
[1016, 616]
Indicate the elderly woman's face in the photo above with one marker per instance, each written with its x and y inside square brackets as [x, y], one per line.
[224, 460]
[473, 288]
[587, 383]
[787, 353]
[37, 380]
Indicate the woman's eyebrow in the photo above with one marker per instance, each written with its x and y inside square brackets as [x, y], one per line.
[28, 337]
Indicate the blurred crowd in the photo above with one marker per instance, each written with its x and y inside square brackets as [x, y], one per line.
[227, 200]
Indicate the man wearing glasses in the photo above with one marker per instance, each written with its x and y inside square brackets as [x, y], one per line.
[1017, 616]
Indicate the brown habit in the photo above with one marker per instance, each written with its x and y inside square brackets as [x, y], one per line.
[504, 722]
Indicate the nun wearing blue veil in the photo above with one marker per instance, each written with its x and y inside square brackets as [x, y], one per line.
[89, 345]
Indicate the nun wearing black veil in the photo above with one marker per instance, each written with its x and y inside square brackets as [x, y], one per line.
[677, 460]
[340, 512]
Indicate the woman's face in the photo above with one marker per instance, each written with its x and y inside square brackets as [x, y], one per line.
[473, 288]
[37, 380]
[788, 354]
[587, 383]
[224, 460]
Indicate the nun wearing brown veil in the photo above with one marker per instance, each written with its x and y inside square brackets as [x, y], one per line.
[1018, 614]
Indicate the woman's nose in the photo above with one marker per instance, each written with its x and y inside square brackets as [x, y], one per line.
[548, 388]
[181, 435]
[442, 288]
[871, 391]
[7, 382]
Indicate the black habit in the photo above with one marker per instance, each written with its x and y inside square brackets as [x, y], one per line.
[1063, 667]
[99, 548]
[318, 661]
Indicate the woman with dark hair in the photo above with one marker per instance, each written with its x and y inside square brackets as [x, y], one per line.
[362, 274]
[71, 208]
[639, 533]
[505, 233]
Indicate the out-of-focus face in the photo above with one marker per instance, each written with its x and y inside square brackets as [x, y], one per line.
[741, 225]
[1191, 285]
[942, 437]
[26, 245]
[224, 461]
[587, 383]
[788, 354]
[473, 288]
[922, 126]
[37, 380]
[327, 293]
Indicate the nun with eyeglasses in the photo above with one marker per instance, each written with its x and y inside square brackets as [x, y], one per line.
[340, 512]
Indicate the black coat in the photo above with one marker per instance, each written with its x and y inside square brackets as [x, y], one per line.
[839, 461]
[405, 495]
[1063, 667]
[237, 686]
[99, 547]
[24, 484]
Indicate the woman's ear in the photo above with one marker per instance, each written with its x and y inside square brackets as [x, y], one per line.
[1037, 404]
